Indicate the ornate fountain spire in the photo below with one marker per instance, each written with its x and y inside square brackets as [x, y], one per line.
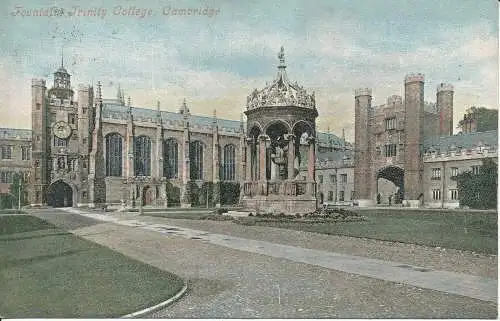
[129, 104]
[281, 57]
[282, 66]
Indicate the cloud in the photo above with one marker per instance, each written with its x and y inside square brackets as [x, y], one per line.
[215, 63]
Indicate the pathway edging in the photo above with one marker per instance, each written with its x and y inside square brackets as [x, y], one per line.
[159, 305]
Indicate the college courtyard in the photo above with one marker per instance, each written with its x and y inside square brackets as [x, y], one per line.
[195, 263]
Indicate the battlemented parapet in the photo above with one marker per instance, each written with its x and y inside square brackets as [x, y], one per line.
[38, 82]
[460, 154]
[444, 87]
[363, 92]
[414, 77]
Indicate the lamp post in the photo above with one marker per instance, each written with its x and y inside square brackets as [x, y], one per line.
[140, 179]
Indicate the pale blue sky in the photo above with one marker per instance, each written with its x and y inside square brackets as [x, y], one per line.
[331, 47]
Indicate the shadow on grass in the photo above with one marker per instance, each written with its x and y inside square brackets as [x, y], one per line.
[39, 258]
[60, 275]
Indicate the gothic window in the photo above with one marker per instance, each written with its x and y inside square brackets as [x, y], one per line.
[343, 178]
[436, 194]
[58, 142]
[229, 163]
[71, 119]
[341, 196]
[6, 152]
[196, 160]
[170, 158]
[390, 123]
[330, 196]
[142, 156]
[38, 106]
[454, 171]
[113, 155]
[453, 194]
[25, 153]
[475, 169]
[436, 174]
[390, 150]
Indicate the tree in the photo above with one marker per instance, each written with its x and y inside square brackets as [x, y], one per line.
[479, 190]
[17, 186]
[486, 119]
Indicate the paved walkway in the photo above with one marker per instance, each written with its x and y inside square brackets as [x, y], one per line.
[476, 287]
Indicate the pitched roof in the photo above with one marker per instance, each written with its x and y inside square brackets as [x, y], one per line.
[461, 141]
[15, 133]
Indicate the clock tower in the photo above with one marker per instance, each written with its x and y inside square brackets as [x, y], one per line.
[62, 84]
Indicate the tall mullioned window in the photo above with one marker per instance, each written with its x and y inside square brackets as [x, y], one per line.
[170, 158]
[196, 159]
[390, 123]
[142, 156]
[229, 163]
[114, 152]
[6, 152]
[25, 153]
[436, 194]
[58, 142]
[436, 174]
[390, 150]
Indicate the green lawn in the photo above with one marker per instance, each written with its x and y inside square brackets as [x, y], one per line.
[11, 211]
[473, 231]
[47, 272]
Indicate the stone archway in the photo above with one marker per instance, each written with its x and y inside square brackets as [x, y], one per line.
[147, 195]
[275, 162]
[390, 185]
[60, 194]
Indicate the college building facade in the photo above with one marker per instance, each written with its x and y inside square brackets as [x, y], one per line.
[92, 151]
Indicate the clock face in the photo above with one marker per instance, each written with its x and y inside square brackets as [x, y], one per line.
[62, 130]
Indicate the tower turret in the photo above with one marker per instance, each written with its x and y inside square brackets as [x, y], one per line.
[444, 101]
[414, 132]
[62, 84]
[362, 142]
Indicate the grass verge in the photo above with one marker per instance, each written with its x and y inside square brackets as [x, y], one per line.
[449, 229]
[50, 273]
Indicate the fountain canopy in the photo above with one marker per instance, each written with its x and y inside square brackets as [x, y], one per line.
[281, 92]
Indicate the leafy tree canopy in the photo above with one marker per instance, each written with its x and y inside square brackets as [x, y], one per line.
[486, 119]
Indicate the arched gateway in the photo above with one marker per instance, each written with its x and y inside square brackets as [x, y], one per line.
[60, 194]
[280, 137]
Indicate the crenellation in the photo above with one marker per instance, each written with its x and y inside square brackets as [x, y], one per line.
[362, 92]
[444, 87]
[38, 82]
[414, 77]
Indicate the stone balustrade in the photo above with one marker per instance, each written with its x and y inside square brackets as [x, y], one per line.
[278, 187]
